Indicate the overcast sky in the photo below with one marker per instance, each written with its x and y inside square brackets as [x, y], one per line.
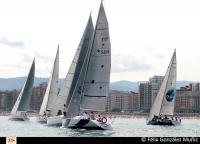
[143, 36]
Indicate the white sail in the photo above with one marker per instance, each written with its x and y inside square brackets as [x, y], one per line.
[70, 81]
[164, 101]
[24, 99]
[52, 87]
[96, 83]
[74, 101]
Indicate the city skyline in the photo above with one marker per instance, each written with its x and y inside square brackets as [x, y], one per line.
[187, 99]
[143, 36]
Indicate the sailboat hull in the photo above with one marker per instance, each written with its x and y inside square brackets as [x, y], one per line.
[54, 121]
[78, 123]
[18, 117]
[163, 122]
[65, 122]
[41, 119]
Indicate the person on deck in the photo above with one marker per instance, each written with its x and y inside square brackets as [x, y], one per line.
[99, 119]
[85, 115]
[48, 113]
[64, 114]
[44, 114]
[25, 114]
[65, 108]
[92, 116]
[59, 112]
[154, 118]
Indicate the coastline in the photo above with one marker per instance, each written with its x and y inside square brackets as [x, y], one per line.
[130, 116]
[136, 116]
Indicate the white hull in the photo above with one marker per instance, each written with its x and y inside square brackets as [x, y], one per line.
[18, 117]
[176, 122]
[77, 122]
[54, 121]
[42, 119]
[65, 122]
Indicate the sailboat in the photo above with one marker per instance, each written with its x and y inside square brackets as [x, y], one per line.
[70, 81]
[162, 110]
[51, 92]
[23, 101]
[92, 87]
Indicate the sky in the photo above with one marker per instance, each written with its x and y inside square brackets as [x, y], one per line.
[143, 36]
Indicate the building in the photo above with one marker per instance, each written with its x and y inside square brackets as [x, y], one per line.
[187, 98]
[148, 92]
[115, 103]
[155, 82]
[37, 96]
[3, 99]
[195, 87]
[122, 101]
[11, 97]
[145, 97]
[134, 103]
[8, 98]
[187, 101]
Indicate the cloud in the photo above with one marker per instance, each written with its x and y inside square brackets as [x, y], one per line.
[127, 63]
[153, 52]
[43, 58]
[11, 67]
[27, 58]
[159, 56]
[8, 42]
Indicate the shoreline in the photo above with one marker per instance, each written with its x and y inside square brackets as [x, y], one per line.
[137, 116]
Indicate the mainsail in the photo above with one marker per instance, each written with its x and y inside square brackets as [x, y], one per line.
[24, 99]
[52, 87]
[70, 81]
[164, 102]
[97, 78]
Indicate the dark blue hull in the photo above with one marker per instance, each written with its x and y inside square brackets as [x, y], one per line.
[163, 122]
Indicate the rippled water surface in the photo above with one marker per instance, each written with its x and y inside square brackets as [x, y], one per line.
[122, 127]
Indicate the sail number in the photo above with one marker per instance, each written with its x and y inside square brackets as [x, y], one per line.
[105, 51]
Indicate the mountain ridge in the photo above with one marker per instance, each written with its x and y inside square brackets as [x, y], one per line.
[123, 85]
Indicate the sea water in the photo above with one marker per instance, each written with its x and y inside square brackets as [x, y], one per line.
[121, 127]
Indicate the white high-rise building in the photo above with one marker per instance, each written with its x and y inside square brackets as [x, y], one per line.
[148, 91]
[155, 83]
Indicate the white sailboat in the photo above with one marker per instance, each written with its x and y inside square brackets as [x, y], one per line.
[70, 81]
[51, 92]
[93, 84]
[162, 110]
[23, 101]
